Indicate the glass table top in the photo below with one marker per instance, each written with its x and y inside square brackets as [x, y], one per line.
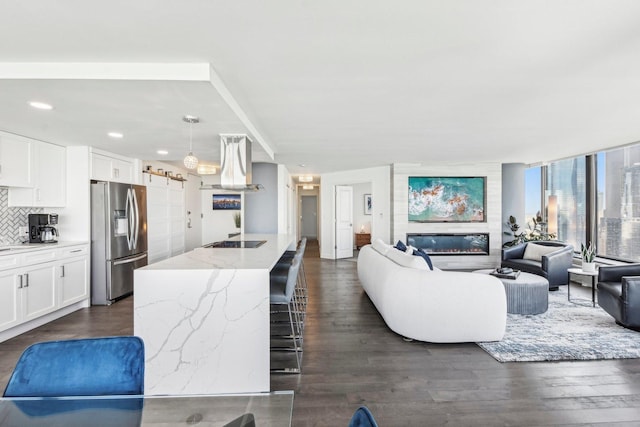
[241, 410]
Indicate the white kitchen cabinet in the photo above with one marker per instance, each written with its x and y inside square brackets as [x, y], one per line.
[107, 168]
[16, 168]
[10, 308]
[38, 290]
[49, 178]
[39, 282]
[26, 293]
[74, 277]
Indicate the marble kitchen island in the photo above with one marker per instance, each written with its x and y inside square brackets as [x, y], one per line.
[204, 318]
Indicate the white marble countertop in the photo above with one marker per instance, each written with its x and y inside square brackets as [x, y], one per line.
[262, 257]
[30, 247]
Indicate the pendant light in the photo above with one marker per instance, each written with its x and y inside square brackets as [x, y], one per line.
[191, 161]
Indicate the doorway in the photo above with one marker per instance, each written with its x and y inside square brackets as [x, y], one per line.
[309, 217]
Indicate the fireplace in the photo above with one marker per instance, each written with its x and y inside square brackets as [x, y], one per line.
[451, 244]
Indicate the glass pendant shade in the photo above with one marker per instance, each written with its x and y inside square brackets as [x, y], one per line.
[191, 161]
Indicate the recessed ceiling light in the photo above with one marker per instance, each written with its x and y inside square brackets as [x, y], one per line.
[307, 187]
[41, 105]
[302, 165]
[116, 135]
[162, 152]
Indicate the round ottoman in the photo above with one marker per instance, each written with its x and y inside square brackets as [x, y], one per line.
[527, 294]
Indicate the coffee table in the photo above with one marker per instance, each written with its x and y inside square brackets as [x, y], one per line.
[526, 294]
[580, 272]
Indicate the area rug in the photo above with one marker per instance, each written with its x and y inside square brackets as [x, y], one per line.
[567, 331]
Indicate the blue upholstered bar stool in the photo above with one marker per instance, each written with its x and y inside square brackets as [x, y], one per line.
[81, 367]
[282, 293]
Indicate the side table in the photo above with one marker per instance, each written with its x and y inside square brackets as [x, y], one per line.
[362, 239]
[580, 272]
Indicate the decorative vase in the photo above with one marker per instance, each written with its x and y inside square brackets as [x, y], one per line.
[589, 267]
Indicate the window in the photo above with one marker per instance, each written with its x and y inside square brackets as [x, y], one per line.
[618, 203]
[533, 195]
[566, 180]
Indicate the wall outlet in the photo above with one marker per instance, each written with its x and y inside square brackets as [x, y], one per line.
[23, 231]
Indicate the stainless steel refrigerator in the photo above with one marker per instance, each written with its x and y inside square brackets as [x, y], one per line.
[118, 239]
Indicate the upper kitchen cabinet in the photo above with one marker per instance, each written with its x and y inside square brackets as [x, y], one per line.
[110, 167]
[15, 161]
[48, 165]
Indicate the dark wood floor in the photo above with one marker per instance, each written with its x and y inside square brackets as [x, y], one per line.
[351, 358]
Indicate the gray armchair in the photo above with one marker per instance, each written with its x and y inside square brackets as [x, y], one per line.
[552, 266]
[619, 293]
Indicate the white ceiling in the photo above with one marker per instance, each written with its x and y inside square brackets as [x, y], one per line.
[334, 85]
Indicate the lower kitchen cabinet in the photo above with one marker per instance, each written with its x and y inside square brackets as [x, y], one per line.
[74, 280]
[41, 282]
[38, 290]
[10, 299]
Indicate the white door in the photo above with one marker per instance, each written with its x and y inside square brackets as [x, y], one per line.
[193, 213]
[309, 216]
[344, 221]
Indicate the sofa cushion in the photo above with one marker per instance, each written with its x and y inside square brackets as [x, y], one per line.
[535, 252]
[407, 260]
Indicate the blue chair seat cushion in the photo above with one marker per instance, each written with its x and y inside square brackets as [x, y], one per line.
[82, 367]
[362, 418]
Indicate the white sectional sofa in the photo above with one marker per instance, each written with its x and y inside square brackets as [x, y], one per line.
[434, 306]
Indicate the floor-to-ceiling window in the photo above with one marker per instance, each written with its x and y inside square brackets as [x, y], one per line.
[566, 180]
[533, 194]
[618, 203]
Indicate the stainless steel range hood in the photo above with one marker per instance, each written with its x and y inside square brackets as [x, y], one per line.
[235, 164]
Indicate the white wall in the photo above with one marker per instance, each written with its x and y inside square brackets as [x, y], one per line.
[287, 211]
[261, 207]
[402, 226]
[361, 222]
[513, 197]
[380, 192]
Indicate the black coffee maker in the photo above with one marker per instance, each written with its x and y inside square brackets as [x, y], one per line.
[42, 228]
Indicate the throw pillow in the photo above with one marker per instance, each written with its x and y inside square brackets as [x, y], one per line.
[380, 246]
[400, 246]
[423, 254]
[407, 260]
[535, 252]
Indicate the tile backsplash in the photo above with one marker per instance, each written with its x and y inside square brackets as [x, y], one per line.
[12, 218]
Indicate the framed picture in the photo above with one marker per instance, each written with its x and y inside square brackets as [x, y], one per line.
[226, 202]
[447, 199]
[367, 204]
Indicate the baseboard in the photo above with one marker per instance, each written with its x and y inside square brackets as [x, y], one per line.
[32, 324]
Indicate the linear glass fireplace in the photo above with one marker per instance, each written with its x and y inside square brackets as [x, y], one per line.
[451, 243]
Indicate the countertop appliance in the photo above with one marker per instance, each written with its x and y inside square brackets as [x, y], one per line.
[118, 239]
[42, 228]
[235, 244]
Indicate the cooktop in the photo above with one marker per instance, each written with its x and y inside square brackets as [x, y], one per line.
[235, 244]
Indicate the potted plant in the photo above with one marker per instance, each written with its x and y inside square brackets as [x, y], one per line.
[237, 219]
[588, 254]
